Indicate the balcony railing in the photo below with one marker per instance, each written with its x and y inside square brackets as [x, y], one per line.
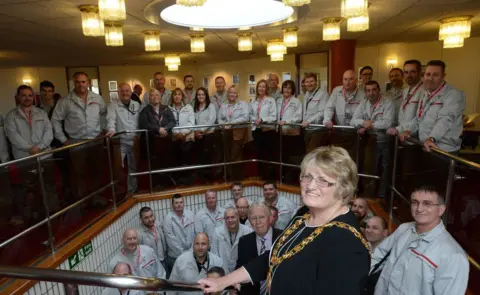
[410, 167]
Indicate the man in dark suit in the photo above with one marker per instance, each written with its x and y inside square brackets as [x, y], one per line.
[256, 243]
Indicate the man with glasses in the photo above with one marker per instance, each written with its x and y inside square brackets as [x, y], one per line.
[422, 257]
[256, 243]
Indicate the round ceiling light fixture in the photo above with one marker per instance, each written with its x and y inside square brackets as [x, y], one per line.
[247, 13]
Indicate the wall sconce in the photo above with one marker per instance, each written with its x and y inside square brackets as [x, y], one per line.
[392, 62]
[27, 82]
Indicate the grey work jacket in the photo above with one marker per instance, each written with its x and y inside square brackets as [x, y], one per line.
[286, 210]
[314, 104]
[265, 110]
[189, 99]
[342, 105]
[82, 119]
[4, 157]
[164, 99]
[185, 269]
[223, 247]
[440, 118]
[290, 112]
[409, 106]
[431, 263]
[218, 99]
[234, 113]
[179, 232]
[154, 238]
[25, 133]
[143, 262]
[206, 221]
[381, 114]
[121, 118]
[206, 116]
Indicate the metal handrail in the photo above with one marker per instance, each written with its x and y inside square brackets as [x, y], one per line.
[96, 279]
[446, 154]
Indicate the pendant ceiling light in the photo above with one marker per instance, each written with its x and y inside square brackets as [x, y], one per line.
[245, 41]
[152, 40]
[190, 3]
[354, 8]
[331, 28]
[276, 49]
[358, 23]
[197, 43]
[454, 30]
[296, 2]
[113, 34]
[172, 61]
[92, 25]
[244, 13]
[290, 37]
[112, 10]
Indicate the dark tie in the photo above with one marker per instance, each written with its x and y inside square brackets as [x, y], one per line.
[263, 284]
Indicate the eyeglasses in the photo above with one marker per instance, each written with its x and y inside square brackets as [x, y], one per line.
[307, 179]
[426, 204]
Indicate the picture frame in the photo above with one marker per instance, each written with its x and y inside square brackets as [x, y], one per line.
[112, 86]
[173, 82]
[251, 79]
[251, 91]
[114, 96]
[235, 79]
[205, 82]
[286, 76]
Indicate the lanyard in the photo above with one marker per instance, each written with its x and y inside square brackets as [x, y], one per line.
[233, 238]
[138, 257]
[189, 97]
[310, 99]
[284, 106]
[155, 234]
[260, 104]
[420, 110]
[410, 95]
[178, 116]
[128, 108]
[29, 116]
[219, 101]
[159, 119]
[375, 106]
[229, 111]
[121, 293]
[345, 94]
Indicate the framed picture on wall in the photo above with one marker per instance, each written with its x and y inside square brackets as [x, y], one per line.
[205, 82]
[112, 85]
[150, 83]
[286, 76]
[251, 91]
[251, 79]
[114, 96]
[235, 79]
[173, 82]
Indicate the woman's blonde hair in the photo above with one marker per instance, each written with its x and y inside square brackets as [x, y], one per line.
[335, 162]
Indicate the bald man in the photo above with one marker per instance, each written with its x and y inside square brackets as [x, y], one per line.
[273, 90]
[194, 263]
[123, 115]
[142, 259]
[361, 210]
[242, 208]
[341, 105]
[121, 269]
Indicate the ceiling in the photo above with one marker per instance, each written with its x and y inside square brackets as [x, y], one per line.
[48, 32]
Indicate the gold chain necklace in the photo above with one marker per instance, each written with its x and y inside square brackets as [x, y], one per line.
[275, 260]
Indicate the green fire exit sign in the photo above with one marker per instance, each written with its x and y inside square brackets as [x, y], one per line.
[80, 255]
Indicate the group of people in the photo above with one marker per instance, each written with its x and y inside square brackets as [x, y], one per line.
[418, 104]
[331, 245]
[186, 246]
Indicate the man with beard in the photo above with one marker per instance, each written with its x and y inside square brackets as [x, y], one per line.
[225, 239]
[179, 230]
[362, 211]
[366, 75]
[211, 217]
[142, 259]
[194, 264]
[396, 92]
[151, 234]
[189, 90]
[159, 84]
[286, 208]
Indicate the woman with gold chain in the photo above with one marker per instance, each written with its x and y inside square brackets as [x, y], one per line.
[321, 252]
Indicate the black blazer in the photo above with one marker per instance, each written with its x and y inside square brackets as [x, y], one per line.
[247, 251]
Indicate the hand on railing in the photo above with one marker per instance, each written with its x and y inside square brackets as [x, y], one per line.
[404, 135]
[361, 131]
[305, 124]
[392, 131]
[34, 150]
[110, 133]
[429, 143]
[329, 125]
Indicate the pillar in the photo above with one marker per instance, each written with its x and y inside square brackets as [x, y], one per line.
[342, 58]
